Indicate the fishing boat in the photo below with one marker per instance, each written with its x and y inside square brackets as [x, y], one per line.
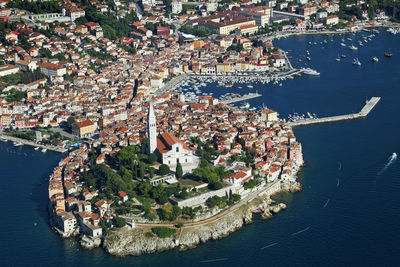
[388, 54]
[375, 59]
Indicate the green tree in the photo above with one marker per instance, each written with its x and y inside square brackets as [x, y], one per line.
[120, 222]
[164, 169]
[152, 158]
[179, 170]
[70, 121]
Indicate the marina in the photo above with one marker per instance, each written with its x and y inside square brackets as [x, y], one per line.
[370, 104]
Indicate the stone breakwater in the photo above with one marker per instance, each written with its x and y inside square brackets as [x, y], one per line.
[128, 241]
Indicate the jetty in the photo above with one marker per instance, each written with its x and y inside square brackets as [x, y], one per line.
[241, 98]
[369, 105]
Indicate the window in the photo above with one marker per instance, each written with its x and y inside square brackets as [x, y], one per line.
[177, 149]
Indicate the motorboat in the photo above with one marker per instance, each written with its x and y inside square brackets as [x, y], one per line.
[356, 62]
[375, 59]
[309, 71]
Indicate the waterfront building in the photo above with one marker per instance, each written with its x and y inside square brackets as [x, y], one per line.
[332, 20]
[66, 221]
[84, 128]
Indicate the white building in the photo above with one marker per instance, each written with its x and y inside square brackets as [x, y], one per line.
[66, 221]
[50, 69]
[172, 151]
[176, 6]
[8, 69]
[332, 20]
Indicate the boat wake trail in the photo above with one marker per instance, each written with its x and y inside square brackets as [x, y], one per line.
[301, 231]
[326, 203]
[270, 245]
[390, 161]
[207, 261]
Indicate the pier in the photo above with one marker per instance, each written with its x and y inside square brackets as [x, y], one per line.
[241, 98]
[369, 105]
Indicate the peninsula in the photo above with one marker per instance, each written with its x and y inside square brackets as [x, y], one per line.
[149, 166]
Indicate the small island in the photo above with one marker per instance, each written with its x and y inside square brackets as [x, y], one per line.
[185, 173]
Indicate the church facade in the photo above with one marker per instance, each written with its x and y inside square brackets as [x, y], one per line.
[169, 148]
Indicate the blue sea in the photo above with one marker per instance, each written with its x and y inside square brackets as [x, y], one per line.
[348, 213]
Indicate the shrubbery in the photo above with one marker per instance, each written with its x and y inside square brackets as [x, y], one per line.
[163, 232]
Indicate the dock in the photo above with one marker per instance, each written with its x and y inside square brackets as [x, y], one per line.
[369, 105]
[241, 98]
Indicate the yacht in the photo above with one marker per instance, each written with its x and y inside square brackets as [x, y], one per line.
[356, 62]
[375, 59]
[338, 58]
[3, 139]
[44, 150]
[343, 56]
[387, 54]
[18, 144]
[352, 47]
[342, 44]
[250, 86]
[36, 148]
[311, 72]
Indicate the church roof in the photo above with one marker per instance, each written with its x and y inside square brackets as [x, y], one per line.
[166, 141]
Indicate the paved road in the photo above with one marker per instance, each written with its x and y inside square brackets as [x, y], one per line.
[63, 133]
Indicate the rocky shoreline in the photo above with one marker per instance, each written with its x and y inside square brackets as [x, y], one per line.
[133, 241]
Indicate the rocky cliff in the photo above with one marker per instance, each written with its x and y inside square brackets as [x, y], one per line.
[128, 241]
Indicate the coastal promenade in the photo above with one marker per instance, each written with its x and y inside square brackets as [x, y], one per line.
[370, 104]
[30, 143]
[268, 189]
[241, 98]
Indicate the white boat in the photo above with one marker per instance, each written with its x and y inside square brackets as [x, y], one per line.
[36, 148]
[3, 139]
[375, 59]
[18, 144]
[44, 150]
[338, 58]
[250, 86]
[342, 44]
[308, 58]
[352, 47]
[356, 62]
[311, 72]
[394, 155]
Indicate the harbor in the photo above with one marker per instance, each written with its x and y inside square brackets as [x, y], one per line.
[369, 105]
[20, 142]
